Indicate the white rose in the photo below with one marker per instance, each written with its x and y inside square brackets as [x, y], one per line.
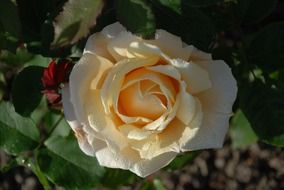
[135, 104]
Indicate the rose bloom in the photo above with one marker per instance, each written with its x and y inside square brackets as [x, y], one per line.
[136, 104]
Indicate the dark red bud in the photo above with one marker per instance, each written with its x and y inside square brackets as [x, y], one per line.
[52, 96]
[53, 76]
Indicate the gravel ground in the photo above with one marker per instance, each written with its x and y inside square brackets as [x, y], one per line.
[258, 167]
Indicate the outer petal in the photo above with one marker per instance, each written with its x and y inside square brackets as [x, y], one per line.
[216, 105]
[197, 55]
[196, 78]
[130, 160]
[119, 47]
[221, 96]
[97, 44]
[69, 113]
[103, 124]
[87, 73]
[211, 134]
[113, 30]
[170, 45]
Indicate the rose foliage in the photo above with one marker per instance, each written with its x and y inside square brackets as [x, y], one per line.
[95, 93]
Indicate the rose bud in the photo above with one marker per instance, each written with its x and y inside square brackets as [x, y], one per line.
[53, 76]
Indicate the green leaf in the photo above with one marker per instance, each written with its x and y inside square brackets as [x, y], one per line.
[65, 164]
[241, 132]
[174, 5]
[56, 120]
[136, 16]
[75, 20]
[9, 18]
[191, 24]
[8, 42]
[266, 49]
[116, 177]
[20, 57]
[264, 108]
[2, 85]
[38, 60]
[32, 164]
[181, 160]
[201, 3]
[253, 11]
[34, 14]
[26, 91]
[197, 28]
[158, 185]
[12, 163]
[17, 134]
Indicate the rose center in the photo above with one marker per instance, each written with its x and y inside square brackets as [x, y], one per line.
[142, 99]
[142, 96]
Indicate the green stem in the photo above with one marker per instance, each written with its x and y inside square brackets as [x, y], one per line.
[33, 165]
[42, 179]
[54, 126]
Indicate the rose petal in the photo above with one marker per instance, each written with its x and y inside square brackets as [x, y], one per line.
[118, 47]
[187, 108]
[216, 105]
[86, 73]
[135, 104]
[210, 135]
[221, 96]
[170, 44]
[97, 44]
[130, 160]
[133, 132]
[74, 124]
[102, 123]
[113, 30]
[157, 144]
[166, 70]
[145, 50]
[114, 79]
[197, 55]
[172, 138]
[196, 78]
[69, 112]
[162, 122]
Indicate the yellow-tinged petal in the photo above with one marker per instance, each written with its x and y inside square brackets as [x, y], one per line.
[135, 133]
[129, 159]
[119, 47]
[114, 79]
[102, 123]
[196, 78]
[134, 104]
[216, 106]
[113, 30]
[170, 44]
[221, 96]
[168, 70]
[86, 73]
[187, 109]
[97, 44]
[78, 128]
